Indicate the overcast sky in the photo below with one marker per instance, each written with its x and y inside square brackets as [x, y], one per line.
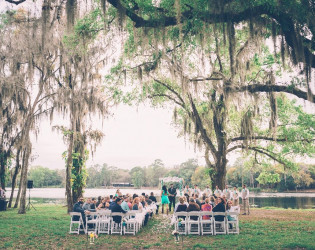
[133, 137]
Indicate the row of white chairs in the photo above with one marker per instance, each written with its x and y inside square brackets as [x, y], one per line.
[205, 222]
[103, 222]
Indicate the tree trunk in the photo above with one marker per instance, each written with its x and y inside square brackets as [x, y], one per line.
[3, 166]
[18, 195]
[24, 172]
[220, 173]
[15, 174]
[68, 173]
[217, 171]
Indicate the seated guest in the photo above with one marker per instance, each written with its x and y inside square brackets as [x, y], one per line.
[142, 201]
[212, 201]
[147, 200]
[99, 201]
[153, 198]
[104, 204]
[116, 208]
[112, 203]
[93, 205]
[206, 207]
[231, 208]
[193, 206]
[187, 197]
[181, 200]
[220, 207]
[110, 198]
[87, 204]
[124, 204]
[130, 203]
[77, 207]
[197, 200]
[203, 198]
[182, 206]
[136, 204]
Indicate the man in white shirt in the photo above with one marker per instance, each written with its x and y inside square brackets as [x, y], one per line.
[207, 191]
[217, 192]
[235, 197]
[187, 191]
[227, 192]
[196, 190]
[245, 199]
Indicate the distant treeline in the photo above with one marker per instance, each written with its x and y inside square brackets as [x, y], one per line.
[255, 176]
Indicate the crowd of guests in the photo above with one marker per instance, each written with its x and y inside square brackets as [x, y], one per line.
[193, 200]
[116, 203]
[196, 200]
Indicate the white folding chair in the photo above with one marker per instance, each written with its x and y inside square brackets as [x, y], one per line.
[206, 222]
[104, 218]
[232, 225]
[130, 226]
[219, 223]
[76, 223]
[181, 222]
[116, 228]
[193, 221]
[91, 222]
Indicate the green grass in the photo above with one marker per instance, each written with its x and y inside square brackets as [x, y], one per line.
[47, 228]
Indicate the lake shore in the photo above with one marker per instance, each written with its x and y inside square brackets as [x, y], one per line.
[59, 193]
[47, 228]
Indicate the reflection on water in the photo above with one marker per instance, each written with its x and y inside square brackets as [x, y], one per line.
[283, 202]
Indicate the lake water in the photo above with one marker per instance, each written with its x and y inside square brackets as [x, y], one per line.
[282, 200]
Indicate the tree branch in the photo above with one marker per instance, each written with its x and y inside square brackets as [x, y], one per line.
[203, 132]
[241, 138]
[169, 97]
[259, 150]
[16, 2]
[254, 88]
[283, 17]
[170, 89]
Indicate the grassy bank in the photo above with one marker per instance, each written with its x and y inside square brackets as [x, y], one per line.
[47, 228]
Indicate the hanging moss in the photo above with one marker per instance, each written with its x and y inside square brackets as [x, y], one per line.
[247, 127]
[231, 34]
[274, 37]
[71, 7]
[273, 109]
[103, 6]
[175, 114]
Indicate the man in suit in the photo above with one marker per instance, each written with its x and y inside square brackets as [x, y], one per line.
[77, 207]
[245, 200]
[116, 208]
[172, 196]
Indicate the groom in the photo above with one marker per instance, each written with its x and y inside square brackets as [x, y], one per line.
[172, 196]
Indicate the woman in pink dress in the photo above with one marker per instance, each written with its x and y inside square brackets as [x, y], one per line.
[206, 207]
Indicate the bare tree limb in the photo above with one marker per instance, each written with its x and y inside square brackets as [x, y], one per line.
[16, 2]
[254, 88]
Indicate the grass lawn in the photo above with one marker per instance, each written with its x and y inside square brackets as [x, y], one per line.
[47, 228]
